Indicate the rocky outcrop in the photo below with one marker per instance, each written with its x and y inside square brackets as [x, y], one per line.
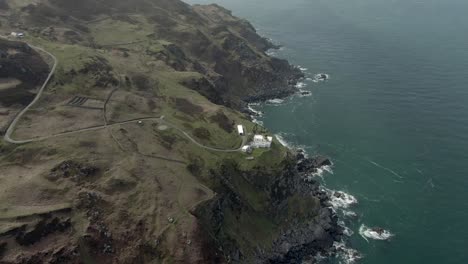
[303, 223]
[71, 169]
[43, 228]
[205, 88]
[64, 254]
[310, 165]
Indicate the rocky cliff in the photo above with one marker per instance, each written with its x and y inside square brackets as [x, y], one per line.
[262, 216]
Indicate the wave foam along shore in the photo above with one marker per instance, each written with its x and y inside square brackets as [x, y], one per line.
[350, 214]
[343, 200]
[320, 77]
[300, 85]
[275, 101]
[374, 233]
[338, 200]
[346, 230]
[322, 170]
[255, 113]
[345, 254]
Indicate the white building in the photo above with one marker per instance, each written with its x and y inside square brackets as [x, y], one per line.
[247, 149]
[261, 141]
[17, 34]
[240, 129]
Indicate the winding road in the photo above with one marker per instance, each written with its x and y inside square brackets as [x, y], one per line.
[15, 121]
[11, 128]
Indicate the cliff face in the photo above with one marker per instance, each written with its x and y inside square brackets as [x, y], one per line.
[262, 216]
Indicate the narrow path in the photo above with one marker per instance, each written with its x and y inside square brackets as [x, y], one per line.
[244, 140]
[15, 121]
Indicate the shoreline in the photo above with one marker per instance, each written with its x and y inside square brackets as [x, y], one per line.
[330, 199]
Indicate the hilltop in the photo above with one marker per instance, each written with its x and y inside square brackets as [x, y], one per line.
[131, 153]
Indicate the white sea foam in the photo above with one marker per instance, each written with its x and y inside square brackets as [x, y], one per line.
[342, 200]
[320, 171]
[274, 52]
[319, 77]
[284, 142]
[345, 254]
[281, 140]
[374, 233]
[256, 112]
[300, 85]
[275, 101]
[304, 93]
[303, 69]
[346, 230]
[348, 213]
[256, 121]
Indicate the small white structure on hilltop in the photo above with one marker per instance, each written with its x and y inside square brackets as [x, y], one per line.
[261, 141]
[17, 34]
[247, 149]
[240, 129]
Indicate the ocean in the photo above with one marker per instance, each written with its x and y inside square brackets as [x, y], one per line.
[393, 116]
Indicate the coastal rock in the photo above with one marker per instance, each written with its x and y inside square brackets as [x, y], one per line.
[308, 165]
[301, 236]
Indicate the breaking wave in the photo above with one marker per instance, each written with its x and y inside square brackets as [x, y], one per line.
[346, 230]
[275, 101]
[274, 52]
[300, 85]
[346, 255]
[342, 200]
[322, 170]
[320, 77]
[350, 214]
[256, 112]
[375, 233]
[284, 142]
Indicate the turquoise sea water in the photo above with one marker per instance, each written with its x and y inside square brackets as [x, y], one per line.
[393, 116]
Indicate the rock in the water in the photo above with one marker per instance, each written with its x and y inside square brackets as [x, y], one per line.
[308, 165]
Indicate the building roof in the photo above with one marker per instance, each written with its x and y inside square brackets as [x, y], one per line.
[259, 137]
[240, 129]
